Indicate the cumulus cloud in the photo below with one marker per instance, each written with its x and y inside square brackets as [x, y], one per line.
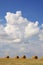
[16, 18]
[28, 35]
[19, 27]
[41, 35]
[31, 29]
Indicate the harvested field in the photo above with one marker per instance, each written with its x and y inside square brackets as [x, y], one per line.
[13, 61]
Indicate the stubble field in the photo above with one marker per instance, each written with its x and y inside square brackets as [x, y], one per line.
[12, 61]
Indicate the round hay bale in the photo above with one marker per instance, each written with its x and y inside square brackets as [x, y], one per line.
[35, 57]
[24, 57]
[17, 57]
[7, 57]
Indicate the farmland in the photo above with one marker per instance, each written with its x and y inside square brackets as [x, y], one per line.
[21, 61]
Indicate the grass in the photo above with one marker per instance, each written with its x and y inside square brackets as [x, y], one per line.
[14, 61]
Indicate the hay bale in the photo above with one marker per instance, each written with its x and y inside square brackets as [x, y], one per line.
[17, 57]
[7, 57]
[35, 57]
[24, 57]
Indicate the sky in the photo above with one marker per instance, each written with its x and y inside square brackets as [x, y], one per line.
[21, 28]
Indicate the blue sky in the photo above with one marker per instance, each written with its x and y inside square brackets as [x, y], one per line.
[21, 27]
[31, 9]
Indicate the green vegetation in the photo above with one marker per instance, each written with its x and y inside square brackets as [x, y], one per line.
[15, 61]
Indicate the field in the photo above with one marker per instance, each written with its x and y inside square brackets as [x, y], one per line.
[12, 61]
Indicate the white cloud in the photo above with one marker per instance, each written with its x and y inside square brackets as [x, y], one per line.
[31, 29]
[18, 29]
[17, 40]
[41, 35]
[18, 26]
[16, 18]
[42, 25]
